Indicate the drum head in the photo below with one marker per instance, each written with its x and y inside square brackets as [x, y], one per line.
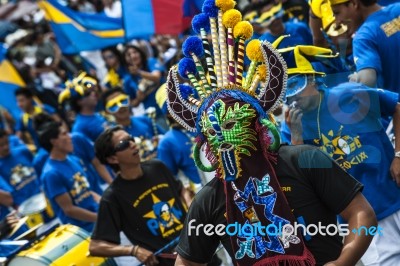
[18, 261]
[34, 204]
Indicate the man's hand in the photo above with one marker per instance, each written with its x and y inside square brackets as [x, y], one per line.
[146, 256]
[395, 170]
[293, 119]
[8, 224]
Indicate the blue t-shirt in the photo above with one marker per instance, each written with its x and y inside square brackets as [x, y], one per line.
[68, 176]
[131, 85]
[90, 125]
[300, 34]
[15, 141]
[7, 188]
[84, 150]
[352, 134]
[376, 45]
[25, 122]
[142, 126]
[18, 171]
[175, 151]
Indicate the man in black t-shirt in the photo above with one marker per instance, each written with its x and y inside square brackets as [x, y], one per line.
[316, 188]
[145, 202]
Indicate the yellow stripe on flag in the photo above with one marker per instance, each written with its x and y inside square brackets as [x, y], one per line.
[10, 75]
[58, 17]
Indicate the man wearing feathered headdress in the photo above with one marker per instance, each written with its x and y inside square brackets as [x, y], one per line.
[261, 189]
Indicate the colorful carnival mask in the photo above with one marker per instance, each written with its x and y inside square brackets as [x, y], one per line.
[231, 118]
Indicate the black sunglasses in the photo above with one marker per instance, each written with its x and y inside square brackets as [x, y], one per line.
[123, 144]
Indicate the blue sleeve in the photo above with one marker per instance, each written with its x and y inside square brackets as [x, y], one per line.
[285, 133]
[130, 87]
[25, 152]
[167, 156]
[387, 101]
[38, 163]
[15, 141]
[83, 148]
[54, 185]
[154, 65]
[19, 126]
[5, 186]
[365, 53]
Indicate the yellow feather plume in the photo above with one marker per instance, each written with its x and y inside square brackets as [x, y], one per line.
[243, 30]
[231, 17]
[253, 51]
[64, 95]
[262, 72]
[225, 5]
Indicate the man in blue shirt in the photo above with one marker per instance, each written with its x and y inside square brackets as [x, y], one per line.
[6, 199]
[271, 19]
[64, 180]
[24, 127]
[143, 128]
[17, 170]
[376, 41]
[81, 93]
[344, 121]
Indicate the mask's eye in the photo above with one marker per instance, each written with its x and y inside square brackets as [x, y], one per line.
[211, 131]
[229, 125]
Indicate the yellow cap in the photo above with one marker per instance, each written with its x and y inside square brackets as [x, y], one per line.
[296, 58]
[323, 10]
[337, 2]
[266, 17]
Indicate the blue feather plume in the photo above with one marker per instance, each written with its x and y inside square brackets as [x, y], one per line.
[193, 44]
[201, 21]
[210, 8]
[186, 65]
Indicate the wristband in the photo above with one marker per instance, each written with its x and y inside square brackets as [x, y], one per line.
[134, 250]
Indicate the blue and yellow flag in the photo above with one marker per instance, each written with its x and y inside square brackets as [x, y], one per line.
[76, 31]
[10, 80]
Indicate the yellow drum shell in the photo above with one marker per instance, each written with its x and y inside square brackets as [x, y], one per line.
[67, 245]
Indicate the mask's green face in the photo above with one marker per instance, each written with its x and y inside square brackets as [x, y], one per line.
[229, 134]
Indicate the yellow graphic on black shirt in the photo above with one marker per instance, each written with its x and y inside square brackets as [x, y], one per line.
[345, 150]
[164, 218]
[80, 189]
[21, 175]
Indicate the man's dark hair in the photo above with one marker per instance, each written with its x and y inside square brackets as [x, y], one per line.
[104, 147]
[25, 92]
[3, 133]
[368, 2]
[114, 50]
[107, 94]
[47, 129]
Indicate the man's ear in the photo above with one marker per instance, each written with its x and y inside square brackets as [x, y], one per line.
[355, 3]
[112, 159]
[52, 141]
